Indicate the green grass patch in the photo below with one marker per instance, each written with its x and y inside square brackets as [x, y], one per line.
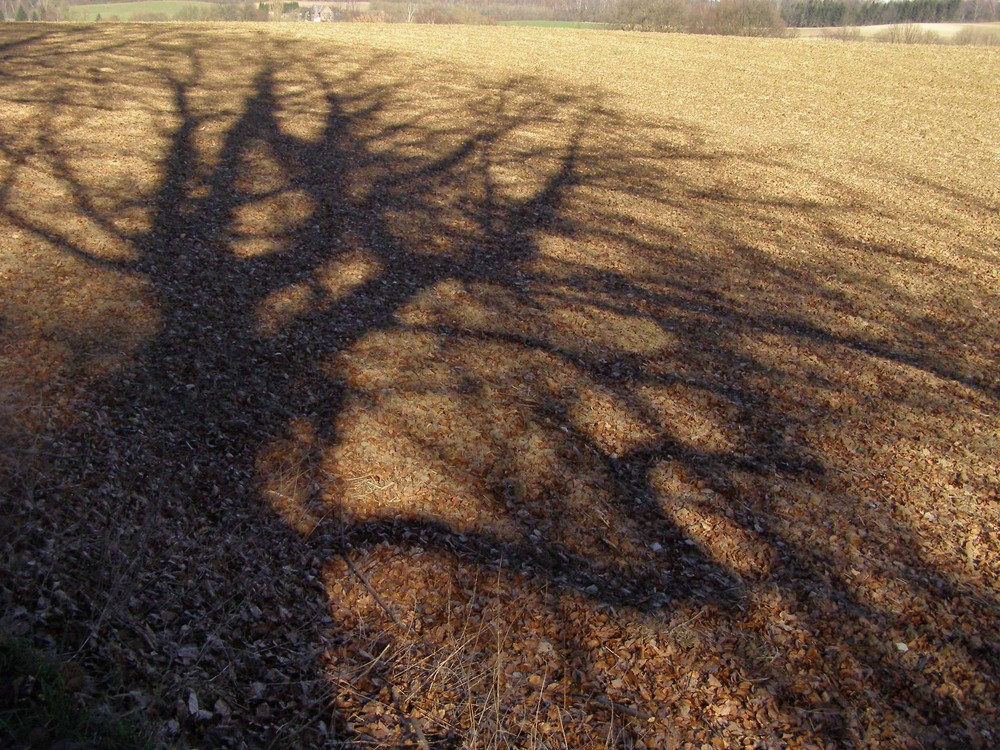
[125, 11]
[38, 707]
[559, 24]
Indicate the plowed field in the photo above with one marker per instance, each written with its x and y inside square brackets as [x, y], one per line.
[386, 386]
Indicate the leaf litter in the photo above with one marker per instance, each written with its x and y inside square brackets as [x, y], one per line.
[413, 388]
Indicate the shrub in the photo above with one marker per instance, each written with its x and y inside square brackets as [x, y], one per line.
[649, 15]
[844, 34]
[980, 37]
[907, 33]
[451, 14]
[733, 17]
[192, 13]
[378, 17]
[740, 18]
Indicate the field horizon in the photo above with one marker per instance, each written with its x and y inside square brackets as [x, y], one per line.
[488, 387]
[946, 31]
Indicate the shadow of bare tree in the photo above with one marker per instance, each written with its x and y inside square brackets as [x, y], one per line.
[387, 339]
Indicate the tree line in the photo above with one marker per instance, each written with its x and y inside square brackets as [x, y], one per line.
[745, 17]
[796, 13]
[32, 10]
[58, 10]
[803, 13]
[708, 15]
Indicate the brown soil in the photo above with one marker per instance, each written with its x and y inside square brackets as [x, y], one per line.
[503, 387]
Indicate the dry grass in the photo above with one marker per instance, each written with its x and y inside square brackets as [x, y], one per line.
[503, 387]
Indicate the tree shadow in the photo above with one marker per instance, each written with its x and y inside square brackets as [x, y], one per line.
[403, 333]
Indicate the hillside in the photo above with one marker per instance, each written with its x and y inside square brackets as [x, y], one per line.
[501, 387]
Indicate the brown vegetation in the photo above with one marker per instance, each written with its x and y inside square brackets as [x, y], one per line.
[503, 388]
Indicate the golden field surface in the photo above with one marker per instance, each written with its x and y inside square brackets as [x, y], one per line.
[391, 386]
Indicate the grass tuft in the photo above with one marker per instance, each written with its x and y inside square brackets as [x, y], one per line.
[40, 705]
